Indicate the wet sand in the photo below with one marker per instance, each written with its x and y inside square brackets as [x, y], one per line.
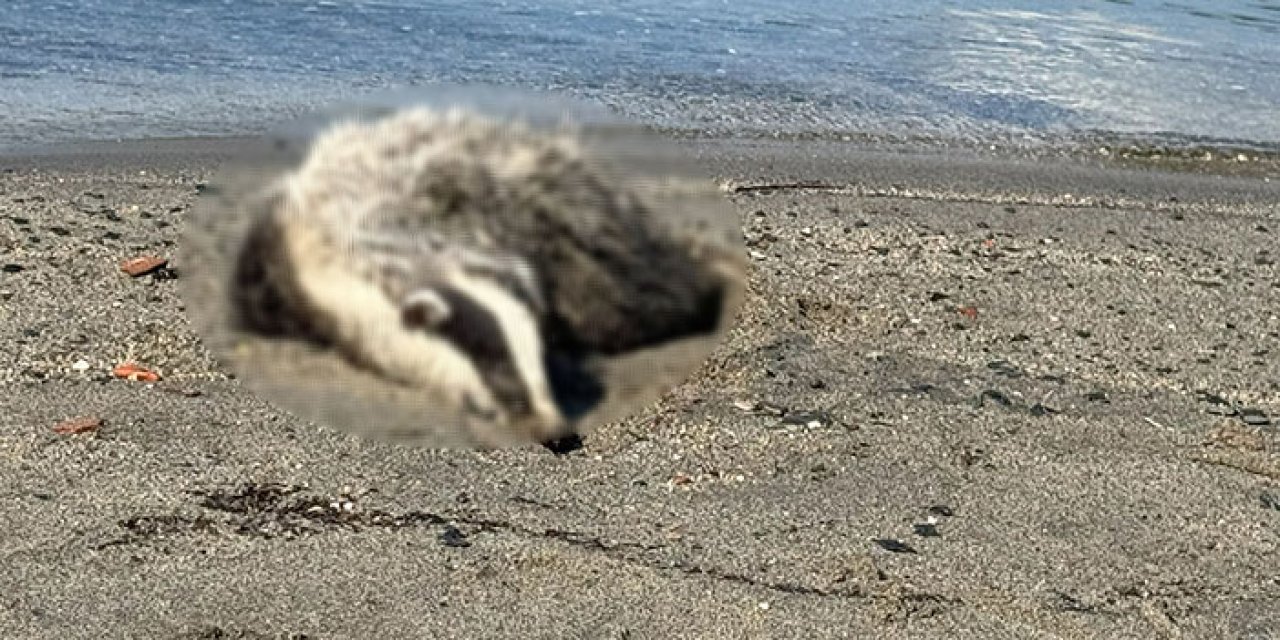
[968, 396]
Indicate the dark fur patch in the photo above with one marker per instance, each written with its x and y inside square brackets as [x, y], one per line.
[474, 329]
[264, 296]
[577, 391]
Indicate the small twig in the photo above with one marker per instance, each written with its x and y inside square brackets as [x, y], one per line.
[816, 186]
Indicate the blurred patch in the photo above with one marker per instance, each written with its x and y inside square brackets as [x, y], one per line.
[467, 267]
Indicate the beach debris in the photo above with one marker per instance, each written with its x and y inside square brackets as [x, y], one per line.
[1218, 405]
[454, 537]
[80, 366]
[134, 372]
[970, 312]
[143, 265]
[1221, 406]
[769, 188]
[186, 392]
[973, 456]
[894, 546]
[1269, 501]
[164, 273]
[941, 510]
[995, 396]
[1005, 368]
[760, 408]
[1254, 417]
[1040, 410]
[1097, 396]
[811, 419]
[13, 268]
[1153, 422]
[926, 529]
[83, 424]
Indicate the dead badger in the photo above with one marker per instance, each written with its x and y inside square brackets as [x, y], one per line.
[473, 257]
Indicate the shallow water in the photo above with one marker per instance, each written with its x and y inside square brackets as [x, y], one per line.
[102, 69]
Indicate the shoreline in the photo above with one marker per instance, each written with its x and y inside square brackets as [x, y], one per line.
[968, 395]
[1166, 152]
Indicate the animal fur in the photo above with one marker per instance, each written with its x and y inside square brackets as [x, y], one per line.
[447, 251]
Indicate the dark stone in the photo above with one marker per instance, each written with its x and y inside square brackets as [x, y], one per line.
[941, 510]
[938, 296]
[1097, 396]
[926, 530]
[1269, 501]
[1254, 417]
[452, 537]
[13, 268]
[894, 546]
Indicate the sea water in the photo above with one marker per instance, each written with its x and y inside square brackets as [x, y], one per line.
[966, 70]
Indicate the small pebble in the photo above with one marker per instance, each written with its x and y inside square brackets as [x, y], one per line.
[1254, 417]
[894, 546]
[1270, 501]
[926, 530]
[452, 536]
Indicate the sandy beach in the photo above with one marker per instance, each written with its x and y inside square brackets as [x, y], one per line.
[969, 395]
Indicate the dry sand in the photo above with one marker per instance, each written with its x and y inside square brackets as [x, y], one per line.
[1010, 381]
